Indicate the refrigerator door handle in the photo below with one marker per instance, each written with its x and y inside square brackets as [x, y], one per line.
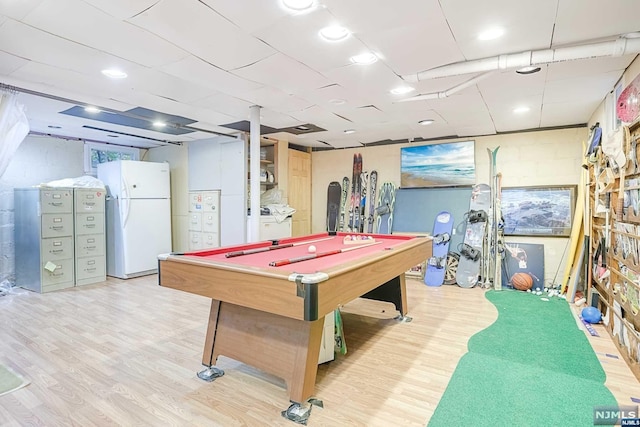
[125, 208]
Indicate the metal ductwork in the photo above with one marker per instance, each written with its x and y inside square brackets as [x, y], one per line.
[619, 47]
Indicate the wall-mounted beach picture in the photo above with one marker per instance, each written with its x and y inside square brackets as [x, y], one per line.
[438, 165]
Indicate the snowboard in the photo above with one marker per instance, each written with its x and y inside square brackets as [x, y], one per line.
[474, 235]
[343, 203]
[334, 193]
[385, 207]
[436, 265]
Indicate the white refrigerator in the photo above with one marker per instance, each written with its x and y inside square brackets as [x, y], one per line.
[138, 216]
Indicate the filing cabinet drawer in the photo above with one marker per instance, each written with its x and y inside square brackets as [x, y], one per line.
[57, 225]
[210, 240]
[90, 223]
[90, 245]
[60, 271]
[90, 268]
[56, 201]
[195, 221]
[210, 222]
[56, 248]
[88, 201]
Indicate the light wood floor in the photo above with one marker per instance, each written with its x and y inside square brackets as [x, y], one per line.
[126, 353]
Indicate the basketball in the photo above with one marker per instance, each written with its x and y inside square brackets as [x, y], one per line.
[522, 281]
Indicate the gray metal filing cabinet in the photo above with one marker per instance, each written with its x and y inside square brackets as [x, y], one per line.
[90, 260]
[44, 238]
[204, 219]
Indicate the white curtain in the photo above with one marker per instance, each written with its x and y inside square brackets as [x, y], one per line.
[14, 127]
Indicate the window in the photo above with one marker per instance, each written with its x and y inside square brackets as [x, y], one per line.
[95, 154]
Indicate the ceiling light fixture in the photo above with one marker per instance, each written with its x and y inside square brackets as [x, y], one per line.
[114, 73]
[491, 34]
[401, 90]
[91, 109]
[337, 101]
[364, 58]
[299, 5]
[528, 70]
[349, 131]
[426, 122]
[159, 124]
[334, 33]
[521, 110]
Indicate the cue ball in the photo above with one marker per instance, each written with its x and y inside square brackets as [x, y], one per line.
[312, 249]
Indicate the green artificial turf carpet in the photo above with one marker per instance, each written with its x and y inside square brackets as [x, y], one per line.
[532, 367]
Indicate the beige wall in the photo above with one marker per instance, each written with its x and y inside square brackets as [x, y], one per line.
[525, 159]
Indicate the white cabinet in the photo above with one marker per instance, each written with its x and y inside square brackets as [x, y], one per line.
[204, 219]
[90, 249]
[271, 228]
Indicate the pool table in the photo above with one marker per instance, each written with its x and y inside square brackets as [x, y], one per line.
[272, 317]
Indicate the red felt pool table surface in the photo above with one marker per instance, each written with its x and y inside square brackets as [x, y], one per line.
[322, 242]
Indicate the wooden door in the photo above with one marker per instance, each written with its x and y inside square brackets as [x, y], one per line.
[299, 191]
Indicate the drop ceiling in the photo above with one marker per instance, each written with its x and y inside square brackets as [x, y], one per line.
[200, 64]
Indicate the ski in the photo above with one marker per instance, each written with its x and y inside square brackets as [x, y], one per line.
[352, 204]
[343, 203]
[373, 183]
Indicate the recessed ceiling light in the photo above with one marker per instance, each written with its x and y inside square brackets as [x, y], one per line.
[521, 110]
[159, 124]
[114, 73]
[299, 5]
[302, 128]
[364, 58]
[426, 122]
[528, 70]
[92, 110]
[334, 33]
[401, 90]
[491, 34]
[348, 131]
[337, 101]
[54, 127]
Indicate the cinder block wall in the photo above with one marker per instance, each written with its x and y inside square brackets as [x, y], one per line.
[37, 160]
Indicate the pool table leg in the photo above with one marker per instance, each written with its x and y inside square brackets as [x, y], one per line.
[282, 346]
[211, 372]
[393, 291]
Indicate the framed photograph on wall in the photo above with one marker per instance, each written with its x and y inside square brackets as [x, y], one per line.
[438, 165]
[538, 211]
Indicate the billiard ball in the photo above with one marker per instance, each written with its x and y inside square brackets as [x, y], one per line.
[312, 249]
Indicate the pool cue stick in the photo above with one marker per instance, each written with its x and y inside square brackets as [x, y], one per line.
[318, 255]
[272, 247]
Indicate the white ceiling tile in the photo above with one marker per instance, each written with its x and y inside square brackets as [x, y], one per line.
[566, 113]
[409, 49]
[78, 21]
[582, 20]
[199, 30]
[249, 15]
[277, 120]
[283, 73]
[366, 16]
[587, 88]
[323, 118]
[297, 37]
[588, 67]
[18, 9]
[207, 75]
[476, 130]
[122, 9]
[10, 63]
[270, 97]
[367, 82]
[227, 104]
[527, 25]
[28, 42]
[365, 114]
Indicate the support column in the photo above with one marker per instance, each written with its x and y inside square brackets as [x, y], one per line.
[254, 172]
